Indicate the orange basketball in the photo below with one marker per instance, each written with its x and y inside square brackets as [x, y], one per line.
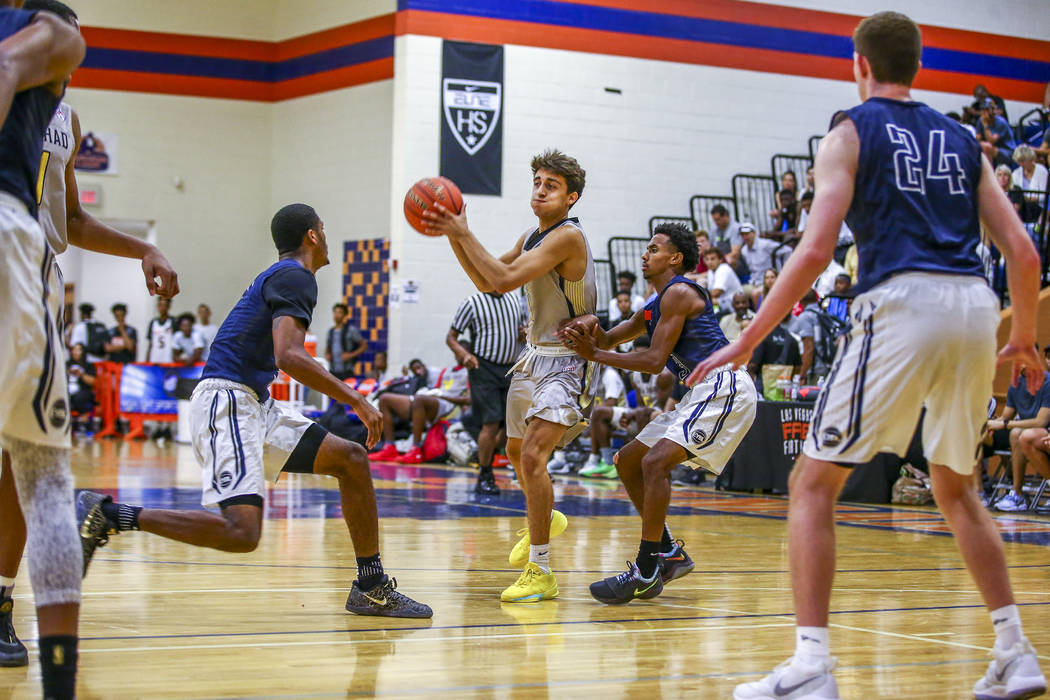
[426, 193]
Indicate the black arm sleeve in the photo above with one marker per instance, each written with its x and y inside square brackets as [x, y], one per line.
[291, 292]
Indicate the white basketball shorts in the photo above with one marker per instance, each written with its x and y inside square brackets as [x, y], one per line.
[230, 428]
[34, 403]
[709, 421]
[918, 339]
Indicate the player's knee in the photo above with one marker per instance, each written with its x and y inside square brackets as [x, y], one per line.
[653, 466]
[242, 539]
[532, 459]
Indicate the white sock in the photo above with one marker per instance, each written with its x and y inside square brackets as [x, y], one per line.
[7, 585]
[592, 461]
[540, 555]
[1007, 624]
[811, 644]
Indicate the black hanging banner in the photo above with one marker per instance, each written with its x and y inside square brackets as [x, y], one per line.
[471, 106]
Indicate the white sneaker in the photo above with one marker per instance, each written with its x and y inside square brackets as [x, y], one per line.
[558, 464]
[793, 680]
[1012, 503]
[1013, 675]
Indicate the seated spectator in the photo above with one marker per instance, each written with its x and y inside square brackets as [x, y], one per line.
[806, 326]
[81, 377]
[756, 251]
[804, 206]
[431, 404]
[734, 324]
[187, 345]
[788, 183]
[785, 217]
[980, 94]
[1036, 443]
[344, 343]
[703, 242]
[826, 281]
[722, 282]
[969, 126]
[621, 310]
[810, 182]
[769, 277]
[1004, 176]
[625, 280]
[726, 237]
[1023, 412]
[92, 334]
[1043, 151]
[839, 300]
[995, 135]
[379, 370]
[206, 328]
[777, 356]
[600, 462]
[123, 339]
[1029, 177]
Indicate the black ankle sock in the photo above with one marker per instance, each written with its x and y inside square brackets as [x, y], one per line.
[666, 541]
[122, 515]
[647, 561]
[58, 667]
[369, 572]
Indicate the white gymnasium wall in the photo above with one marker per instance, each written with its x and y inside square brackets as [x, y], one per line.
[675, 131]
[296, 17]
[332, 151]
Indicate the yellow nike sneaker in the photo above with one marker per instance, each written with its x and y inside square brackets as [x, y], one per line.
[520, 554]
[532, 586]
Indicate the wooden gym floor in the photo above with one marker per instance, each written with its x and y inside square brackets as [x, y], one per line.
[166, 620]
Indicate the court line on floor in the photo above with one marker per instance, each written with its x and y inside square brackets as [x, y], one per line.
[605, 681]
[687, 618]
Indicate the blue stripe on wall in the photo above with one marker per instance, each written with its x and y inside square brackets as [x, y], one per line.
[240, 69]
[718, 32]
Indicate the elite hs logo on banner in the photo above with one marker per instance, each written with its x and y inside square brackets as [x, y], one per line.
[471, 106]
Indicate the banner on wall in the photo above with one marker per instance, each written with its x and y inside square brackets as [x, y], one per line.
[471, 107]
[98, 153]
[151, 388]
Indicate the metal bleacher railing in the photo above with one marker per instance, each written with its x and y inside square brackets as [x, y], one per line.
[753, 198]
[797, 164]
[625, 253]
[700, 207]
[605, 282]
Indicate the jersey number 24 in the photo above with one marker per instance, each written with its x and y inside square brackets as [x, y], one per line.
[912, 173]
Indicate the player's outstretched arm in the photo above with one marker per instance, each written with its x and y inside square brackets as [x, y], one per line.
[605, 340]
[45, 52]
[87, 232]
[835, 170]
[678, 303]
[289, 335]
[1022, 275]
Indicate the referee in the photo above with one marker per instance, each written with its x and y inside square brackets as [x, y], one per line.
[493, 322]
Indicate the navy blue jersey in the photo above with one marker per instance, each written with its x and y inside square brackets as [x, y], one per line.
[701, 335]
[22, 135]
[242, 351]
[915, 203]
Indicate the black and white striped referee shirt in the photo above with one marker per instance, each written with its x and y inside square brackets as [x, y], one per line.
[492, 321]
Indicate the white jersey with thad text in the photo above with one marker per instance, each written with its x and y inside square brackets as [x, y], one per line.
[59, 145]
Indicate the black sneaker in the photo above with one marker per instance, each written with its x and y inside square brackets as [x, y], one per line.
[486, 485]
[92, 523]
[686, 476]
[674, 564]
[384, 601]
[625, 587]
[12, 651]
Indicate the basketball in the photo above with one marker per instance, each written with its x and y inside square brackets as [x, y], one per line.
[426, 193]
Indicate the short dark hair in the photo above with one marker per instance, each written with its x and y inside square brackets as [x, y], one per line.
[807, 196]
[623, 294]
[684, 242]
[715, 251]
[118, 307]
[341, 305]
[86, 308]
[186, 317]
[719, 209]
[892, 43]
[845, 276]
[627, 275]
[54, 7]
[561, 164]
[290, 224]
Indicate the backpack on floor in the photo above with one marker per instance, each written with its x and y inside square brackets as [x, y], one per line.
[913, 488]
[461, 446]
[435, 444]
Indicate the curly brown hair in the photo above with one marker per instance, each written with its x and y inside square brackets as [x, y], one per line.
[558, 163]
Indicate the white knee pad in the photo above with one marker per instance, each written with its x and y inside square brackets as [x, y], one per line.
[45, 491]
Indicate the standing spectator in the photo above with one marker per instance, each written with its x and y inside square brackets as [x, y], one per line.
[734, 324]
[491, 321]
[726, 236]
[123, 339]
[995, 134]
[91, 334]
[1024, 411]
[1030, 177]
[722, 282]
[80, 373]
[756, 251]
[206, 328]
[344, 344]
[625, 280]
[160, 333]
[187, 344]
[806, 326]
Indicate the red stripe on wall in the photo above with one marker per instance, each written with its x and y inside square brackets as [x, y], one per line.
[130, 81]
[463, 28]
[334, 38]
[180, 44]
